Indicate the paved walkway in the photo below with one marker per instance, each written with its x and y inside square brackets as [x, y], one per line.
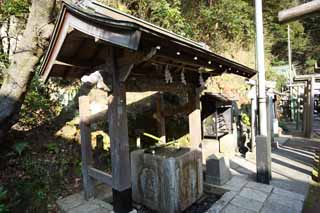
[291, 164]
[291, 168]
[247, 196]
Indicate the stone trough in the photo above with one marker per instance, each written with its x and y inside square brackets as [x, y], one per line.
[167, 179]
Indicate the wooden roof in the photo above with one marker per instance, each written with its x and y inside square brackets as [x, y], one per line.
[213, 97]
[82, 32]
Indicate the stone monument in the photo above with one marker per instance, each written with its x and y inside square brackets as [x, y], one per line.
[217, 170]
[166, 180]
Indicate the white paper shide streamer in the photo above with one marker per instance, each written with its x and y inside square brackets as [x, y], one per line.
[201, 81]
[94, 79]
[167, 75]
[183, 78]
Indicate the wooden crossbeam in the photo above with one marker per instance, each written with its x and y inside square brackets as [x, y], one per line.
[101, 176]
[299, 12]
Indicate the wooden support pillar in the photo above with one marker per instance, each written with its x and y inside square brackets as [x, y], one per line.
[118, 128]
[305, 109]
[309, 108]
[270, 116]
[216, 117]
[161, 118]
[312, 85]
[86, 148]
[195, 119]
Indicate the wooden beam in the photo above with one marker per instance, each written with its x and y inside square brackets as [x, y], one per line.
[86, 148]
[143, 85]
[100, 176]
[299, 12]
[70, 65]
[195, 120]
[161, 118]
[56, 47]
[307, 77]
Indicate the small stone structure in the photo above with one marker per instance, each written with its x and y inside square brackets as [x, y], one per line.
[218, 170]
[167, 180]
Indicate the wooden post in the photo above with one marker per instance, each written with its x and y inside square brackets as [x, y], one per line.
[305, 109]
[216, 120]
[86, 148]
[161, 121]
[118, 124]
[195, 120]
[313, 81]
[310, 107]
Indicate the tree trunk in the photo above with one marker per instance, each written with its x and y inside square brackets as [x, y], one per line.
[24, 61]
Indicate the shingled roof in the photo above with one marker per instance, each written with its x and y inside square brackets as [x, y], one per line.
[83, 30]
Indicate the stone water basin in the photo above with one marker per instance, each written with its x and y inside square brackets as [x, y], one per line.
[167, 179]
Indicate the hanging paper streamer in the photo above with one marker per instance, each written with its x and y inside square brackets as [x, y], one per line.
[183, 79]
[167, 75]
[201, 81]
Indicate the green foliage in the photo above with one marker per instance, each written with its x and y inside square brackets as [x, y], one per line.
[229, 19]
[52, 147]
[13, 8]
[283, 125]
[20, 147]
[44, 177]
[245, 119]
[304, 37]
[38, 107]
[280, 80]
[168, 15]
[164, 13]
[3, 195]
[8, 8]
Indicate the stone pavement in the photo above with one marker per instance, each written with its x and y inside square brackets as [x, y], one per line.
[291, 169]
[245, 196]
[291, 165]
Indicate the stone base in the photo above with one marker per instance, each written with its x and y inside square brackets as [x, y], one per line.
[167, 183]
[263, 159]
[217, 170]
[77, 204]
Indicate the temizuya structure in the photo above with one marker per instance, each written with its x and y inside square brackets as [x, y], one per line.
[132, 56]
